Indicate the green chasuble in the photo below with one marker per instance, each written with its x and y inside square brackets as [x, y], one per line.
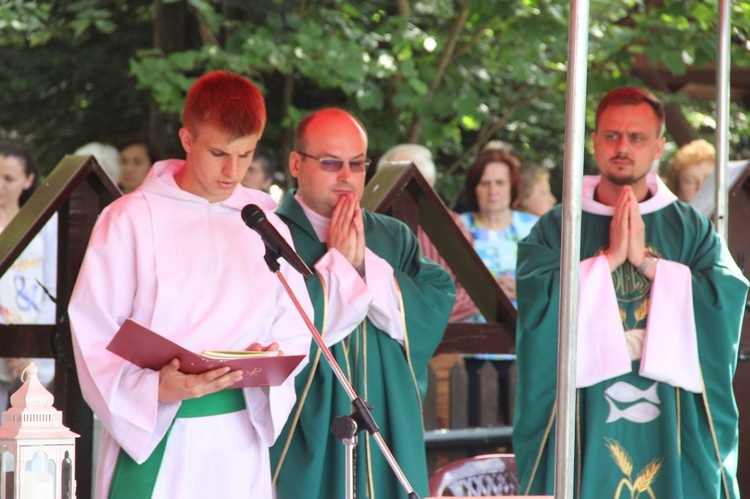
[307, 461]
[635, 437]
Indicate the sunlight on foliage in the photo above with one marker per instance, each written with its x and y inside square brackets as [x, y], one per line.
[452, 75]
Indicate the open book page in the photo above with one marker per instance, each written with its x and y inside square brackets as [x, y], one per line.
[237, 354]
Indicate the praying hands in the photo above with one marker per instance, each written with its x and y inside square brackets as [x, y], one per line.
[627, 231]
[347, 232]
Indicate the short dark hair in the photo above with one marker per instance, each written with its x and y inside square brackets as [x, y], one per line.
[267, 159]
[17, 149]
[139, 140]
[227, 100]
[631, 96]
[474, 175]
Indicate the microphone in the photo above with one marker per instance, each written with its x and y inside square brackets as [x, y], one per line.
[256, 219]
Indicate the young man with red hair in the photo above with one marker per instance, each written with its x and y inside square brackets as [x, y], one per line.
[176, 257]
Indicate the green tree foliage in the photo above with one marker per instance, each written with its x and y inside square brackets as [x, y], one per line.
[64, 72]
[449, 74]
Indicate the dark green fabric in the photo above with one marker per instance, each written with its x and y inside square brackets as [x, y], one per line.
[678, 442]
[131, 480]
[314, 465]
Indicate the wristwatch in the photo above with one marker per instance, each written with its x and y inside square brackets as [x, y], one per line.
[648, 260]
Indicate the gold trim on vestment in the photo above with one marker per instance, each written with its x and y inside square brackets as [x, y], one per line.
[714, 438]
[407, 348]
[679, 421]
[306, 390]
[368, 441]
[579, 441]
[360, 341]
[538, 460]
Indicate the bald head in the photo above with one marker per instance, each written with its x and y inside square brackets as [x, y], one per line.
[328, 134]
[417, 154]
[324, 122]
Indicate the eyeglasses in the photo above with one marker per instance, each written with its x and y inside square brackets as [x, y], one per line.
[334, 165]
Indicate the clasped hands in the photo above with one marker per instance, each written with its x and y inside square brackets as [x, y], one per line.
[175, 386]
[346, 232]
[627, 234]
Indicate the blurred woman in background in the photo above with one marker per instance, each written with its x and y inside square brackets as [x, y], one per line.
[137, 155]
[23, 298]
[690, 167]
[536, 194]
[493, 186]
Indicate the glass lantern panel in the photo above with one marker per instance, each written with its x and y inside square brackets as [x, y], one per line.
[38, 478]
[7, 472]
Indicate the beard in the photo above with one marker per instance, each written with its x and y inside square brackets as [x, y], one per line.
[619, 180]
[629, 178]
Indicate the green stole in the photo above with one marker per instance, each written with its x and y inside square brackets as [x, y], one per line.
[133, 480]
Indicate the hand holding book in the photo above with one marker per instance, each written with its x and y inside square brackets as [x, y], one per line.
[176, 386]
[147, 349]
[257, 347]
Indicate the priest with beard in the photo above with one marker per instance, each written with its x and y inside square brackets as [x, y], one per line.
[660, 308]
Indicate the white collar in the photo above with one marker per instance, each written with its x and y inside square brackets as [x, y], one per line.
[319, 223]
[661, 196]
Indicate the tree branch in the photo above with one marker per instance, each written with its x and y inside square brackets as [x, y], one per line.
[445, 59]
[404, 8]
[287, 134]
[207, 36]
[474, 39]
[492, 125]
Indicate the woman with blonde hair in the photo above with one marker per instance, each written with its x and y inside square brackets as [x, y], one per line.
[536, 195]
[690, 167]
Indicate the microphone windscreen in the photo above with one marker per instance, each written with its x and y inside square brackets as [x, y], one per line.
[252, 215]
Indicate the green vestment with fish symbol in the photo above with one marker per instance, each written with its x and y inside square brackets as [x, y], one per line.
[635, 437]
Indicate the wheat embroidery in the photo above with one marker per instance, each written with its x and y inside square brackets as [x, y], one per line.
[643, 480]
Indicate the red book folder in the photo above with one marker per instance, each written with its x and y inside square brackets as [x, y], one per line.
[148, 349]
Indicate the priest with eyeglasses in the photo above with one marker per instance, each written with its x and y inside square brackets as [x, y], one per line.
[381, 308]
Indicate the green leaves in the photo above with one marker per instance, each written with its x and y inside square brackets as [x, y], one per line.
[435, 77]
[167, 86]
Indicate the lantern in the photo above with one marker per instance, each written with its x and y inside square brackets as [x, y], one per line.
[37, 452]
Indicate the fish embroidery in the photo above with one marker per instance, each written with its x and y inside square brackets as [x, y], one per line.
[625, 392]
[640, 412]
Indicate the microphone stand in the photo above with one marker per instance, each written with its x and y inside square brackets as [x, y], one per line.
[345, 427]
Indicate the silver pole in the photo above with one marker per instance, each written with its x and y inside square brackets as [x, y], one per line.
[722, 118]
[349, 482]
[575, 136]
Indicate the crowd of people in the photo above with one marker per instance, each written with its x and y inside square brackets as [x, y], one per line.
[660, 307]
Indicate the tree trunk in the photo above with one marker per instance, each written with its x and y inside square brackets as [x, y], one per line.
[170, 35]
